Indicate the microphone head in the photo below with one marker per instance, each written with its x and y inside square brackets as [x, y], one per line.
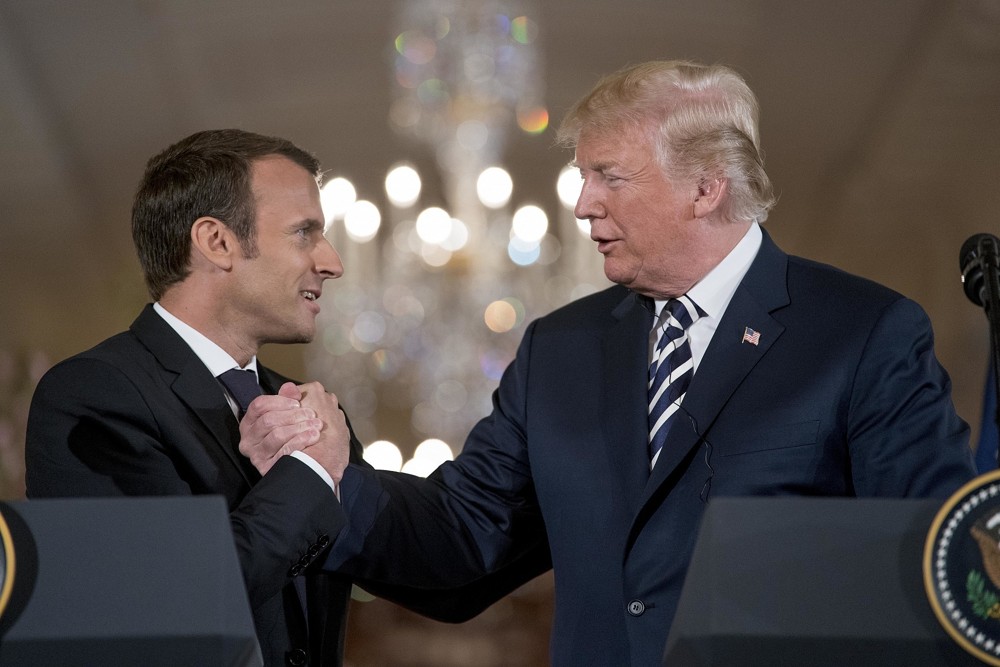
[971, 262]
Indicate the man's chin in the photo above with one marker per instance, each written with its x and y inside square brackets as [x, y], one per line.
[292, 337]
[616, 275]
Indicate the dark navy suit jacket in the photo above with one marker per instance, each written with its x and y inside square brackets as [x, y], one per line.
[842, 396]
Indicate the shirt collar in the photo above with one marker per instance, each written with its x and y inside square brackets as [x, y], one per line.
[214, 357]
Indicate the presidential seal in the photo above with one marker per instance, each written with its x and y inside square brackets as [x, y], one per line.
[962, 567]
[7, 564]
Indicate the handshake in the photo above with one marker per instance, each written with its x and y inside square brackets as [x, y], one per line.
[298, 418]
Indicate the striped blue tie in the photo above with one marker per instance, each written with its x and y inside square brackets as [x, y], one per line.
[671, 369]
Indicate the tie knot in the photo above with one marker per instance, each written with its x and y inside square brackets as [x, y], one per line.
[242, 385]
[680, 312]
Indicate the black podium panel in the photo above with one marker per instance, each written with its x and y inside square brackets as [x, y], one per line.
[129, 581]
[810, 582]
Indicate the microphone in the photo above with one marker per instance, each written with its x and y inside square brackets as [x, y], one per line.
[707, 486]
[979, 260]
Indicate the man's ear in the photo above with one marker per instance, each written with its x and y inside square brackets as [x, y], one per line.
[709, 196]
[212, 241]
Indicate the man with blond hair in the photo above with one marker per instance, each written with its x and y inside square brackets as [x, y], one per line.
[717, 366]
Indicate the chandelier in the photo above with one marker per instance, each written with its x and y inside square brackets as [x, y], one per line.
[434, 300]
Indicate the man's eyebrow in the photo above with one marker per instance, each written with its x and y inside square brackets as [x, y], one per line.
[596, 166]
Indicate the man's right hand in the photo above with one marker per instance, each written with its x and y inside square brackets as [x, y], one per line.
[332, 449]
[276, 425]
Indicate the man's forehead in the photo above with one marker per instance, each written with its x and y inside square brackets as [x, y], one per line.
[272, 171]
[605, 150]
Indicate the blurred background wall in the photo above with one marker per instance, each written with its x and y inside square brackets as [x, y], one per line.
[879, 122]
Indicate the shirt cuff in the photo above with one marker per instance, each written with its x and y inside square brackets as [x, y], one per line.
[318, 469]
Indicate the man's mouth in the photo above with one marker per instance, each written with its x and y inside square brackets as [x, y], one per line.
[604, 245]
[309, 295]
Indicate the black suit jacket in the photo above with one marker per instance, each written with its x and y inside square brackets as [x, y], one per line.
[141, 415]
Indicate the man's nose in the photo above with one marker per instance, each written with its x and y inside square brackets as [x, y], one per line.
[328, 260]
[589, 204]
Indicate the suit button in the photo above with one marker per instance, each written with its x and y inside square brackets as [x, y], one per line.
[323, 541]
[636, 608]
[295, 658]
[295, 570]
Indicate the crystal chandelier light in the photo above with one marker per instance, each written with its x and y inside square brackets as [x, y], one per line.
[433, 302]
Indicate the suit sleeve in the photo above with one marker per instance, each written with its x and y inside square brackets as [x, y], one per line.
[92, 432]
[469, 533]
[904, 435]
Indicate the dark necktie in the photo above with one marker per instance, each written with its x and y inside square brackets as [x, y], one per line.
[670, 370]
[243, 386]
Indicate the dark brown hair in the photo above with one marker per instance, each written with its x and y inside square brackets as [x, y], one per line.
[205, 174]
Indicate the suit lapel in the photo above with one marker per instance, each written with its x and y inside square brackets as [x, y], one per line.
[624, 395]
[728, 360]
[193, 385]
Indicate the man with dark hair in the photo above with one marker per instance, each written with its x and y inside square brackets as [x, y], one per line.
[229, 232]
[717, 366]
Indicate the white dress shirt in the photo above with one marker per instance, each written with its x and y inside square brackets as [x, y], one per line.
[713, 293]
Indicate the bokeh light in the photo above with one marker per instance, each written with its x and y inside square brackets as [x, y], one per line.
[433, 225]
[402, 185]
[336, 196]
[492, 364]
[362, 221]
[369, 327]
[428, 455]
[529, 223]
[523, 253]
[435, 451]
[383, 455]
[523, 30]
[432, 91]
[494, 187]
[533, 120]
[568, 186]
[458, 236]
[434, 255]
[416, 47]
[500, 316]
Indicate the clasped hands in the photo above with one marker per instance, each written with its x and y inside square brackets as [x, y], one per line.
[299, 417]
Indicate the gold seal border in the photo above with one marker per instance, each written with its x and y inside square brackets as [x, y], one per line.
[9, 569]
[929, 588]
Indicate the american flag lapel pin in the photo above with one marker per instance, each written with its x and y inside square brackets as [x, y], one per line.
[750, 336]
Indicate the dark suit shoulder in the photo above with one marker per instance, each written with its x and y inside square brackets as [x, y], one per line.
[112, 360]
[594, 311]
[808, 278]
[824, 298]
[105, 370]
